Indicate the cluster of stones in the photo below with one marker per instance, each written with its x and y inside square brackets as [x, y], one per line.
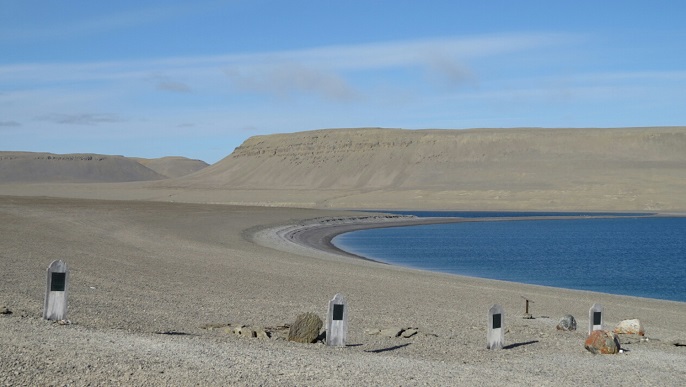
[240, 330]
[604, 341]
[394, 332]
[608, 342]
[307, 327]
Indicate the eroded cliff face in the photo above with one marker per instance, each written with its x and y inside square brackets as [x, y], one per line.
[372, 159]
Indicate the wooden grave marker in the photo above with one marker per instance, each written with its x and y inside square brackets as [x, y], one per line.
[595, 318]
[337, 321]
[55, 307]
[496, 327]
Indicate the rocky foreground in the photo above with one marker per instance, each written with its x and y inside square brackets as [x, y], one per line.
[161, 293]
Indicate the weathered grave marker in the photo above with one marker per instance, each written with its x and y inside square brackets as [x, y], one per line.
[496, 327]
[55, 307]
[595, 318]
[337, 321]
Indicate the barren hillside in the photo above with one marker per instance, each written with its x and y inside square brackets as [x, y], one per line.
[31, 167]
[631, 168]
[172, 166]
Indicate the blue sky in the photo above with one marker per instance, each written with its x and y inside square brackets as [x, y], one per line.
[195, 79]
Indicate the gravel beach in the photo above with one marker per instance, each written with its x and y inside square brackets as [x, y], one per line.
[155, 289]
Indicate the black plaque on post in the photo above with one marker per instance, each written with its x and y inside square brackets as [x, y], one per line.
[58, 281]
[497, 321]
[597, 318]
[338, 312]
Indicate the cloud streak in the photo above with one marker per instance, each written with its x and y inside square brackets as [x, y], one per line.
[90, 119]
[9, 124]
[99, 23]
[287, 80]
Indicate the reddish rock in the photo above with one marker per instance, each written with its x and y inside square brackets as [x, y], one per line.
[602, 342]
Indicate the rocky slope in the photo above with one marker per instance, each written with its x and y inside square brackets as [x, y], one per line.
[628, 168]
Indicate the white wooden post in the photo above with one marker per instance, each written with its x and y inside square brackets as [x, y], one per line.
[55, 307]
[595, 318]
[496, 327]
[337, 321]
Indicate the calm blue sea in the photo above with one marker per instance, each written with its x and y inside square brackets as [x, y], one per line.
[635, 256]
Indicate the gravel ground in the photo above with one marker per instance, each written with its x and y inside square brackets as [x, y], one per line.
[146, 280]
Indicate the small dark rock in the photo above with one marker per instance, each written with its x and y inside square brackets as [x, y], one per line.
[5, 310]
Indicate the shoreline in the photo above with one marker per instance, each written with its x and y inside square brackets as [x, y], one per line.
[317, 236]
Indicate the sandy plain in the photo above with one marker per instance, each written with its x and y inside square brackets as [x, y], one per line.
[146, 277]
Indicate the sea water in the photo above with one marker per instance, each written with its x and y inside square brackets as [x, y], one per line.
[627, 255]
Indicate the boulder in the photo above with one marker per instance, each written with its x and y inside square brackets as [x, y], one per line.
[602, 342]
[567, 323]
[5, 310]
[630, 327]
[305, 329]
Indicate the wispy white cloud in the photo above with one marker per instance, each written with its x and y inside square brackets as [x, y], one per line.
[9, 123]
[98, 23]
[165, 83]
[289, 79]
[427, 53]
[81, 119]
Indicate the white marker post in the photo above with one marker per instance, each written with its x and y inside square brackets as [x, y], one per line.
[496, 327]
[595, 318]
[55, 307]
[337, 321]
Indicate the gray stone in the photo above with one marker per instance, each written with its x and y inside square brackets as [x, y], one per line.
[496, 327]
[55, 306]
[5, 310]
[337, 321]
[244, 331]
[306, 328]
[567, 323]
[595, 318]
[391, 332]
[261, 333]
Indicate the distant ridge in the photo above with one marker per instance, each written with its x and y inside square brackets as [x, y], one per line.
[622, 168]
[33, 167]
[172, 166]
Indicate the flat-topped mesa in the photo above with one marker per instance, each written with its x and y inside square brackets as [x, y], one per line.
[448, 159]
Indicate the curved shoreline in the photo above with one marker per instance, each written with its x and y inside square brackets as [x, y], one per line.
[320, 238]
[318, 234]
